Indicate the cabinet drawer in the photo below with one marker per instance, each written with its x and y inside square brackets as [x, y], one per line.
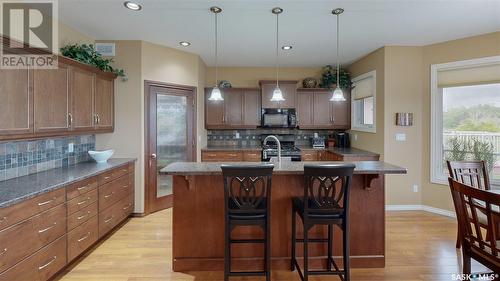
[252, 156]
[18, 212]
[232, 156]
[115, 214]
[82, 216]
[112, 192]
[23, 239]
[81, 187]
[210, 157]
[309, 155]
[82, 237]
[41, 266]
[81, 202]
[115, 173]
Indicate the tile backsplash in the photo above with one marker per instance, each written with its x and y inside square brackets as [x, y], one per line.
[21, 158]
[251, 138]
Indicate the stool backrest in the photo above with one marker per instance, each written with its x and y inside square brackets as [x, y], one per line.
[246, 187]
[471, 173]
[327, 187]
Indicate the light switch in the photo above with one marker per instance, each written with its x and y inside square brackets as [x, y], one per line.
[400, 136]
[71, 147]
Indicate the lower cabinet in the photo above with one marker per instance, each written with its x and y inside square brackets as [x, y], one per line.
[325, 155]
[43, 234]
[231, 156]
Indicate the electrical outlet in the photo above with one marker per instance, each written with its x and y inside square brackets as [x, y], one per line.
[71, 147]
[237, 135]
[400, 137]
[355, 137]
[415, 188]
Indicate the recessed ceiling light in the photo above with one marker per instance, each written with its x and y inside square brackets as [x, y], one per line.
[184, 43]
[286, 48]
[132, 5]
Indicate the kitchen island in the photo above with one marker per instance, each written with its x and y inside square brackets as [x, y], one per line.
[198, 217]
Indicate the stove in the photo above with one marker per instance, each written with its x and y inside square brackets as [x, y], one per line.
[288, 148]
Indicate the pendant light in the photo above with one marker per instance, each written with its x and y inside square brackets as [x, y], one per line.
[337, 94]
[277, 94]
[216, 94]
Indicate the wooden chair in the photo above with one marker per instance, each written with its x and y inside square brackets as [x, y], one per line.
[471, 173]
[479, 241]
[247, 202]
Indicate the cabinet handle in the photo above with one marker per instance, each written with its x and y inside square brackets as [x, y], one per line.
[124, 170]
[128, 206]
[109, 195]
[232, 155]
[98, 118]
[47, 264]
[70, 119]
[3, 219]
[107, 178]
[83, 202]
[108, 220]
[48, 228]
[125, 186]
[4, 251]
[82, 187]
[81, 217]
[46, 202]
[84, 237]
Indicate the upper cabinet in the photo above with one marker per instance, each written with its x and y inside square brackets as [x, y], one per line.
[240, 109]
[16, 103]
[316, 111]
[51, 102]
[288, 88]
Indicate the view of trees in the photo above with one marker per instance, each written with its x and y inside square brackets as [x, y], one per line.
[485, 118]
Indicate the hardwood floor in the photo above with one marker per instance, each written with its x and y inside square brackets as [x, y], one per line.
[420, 246]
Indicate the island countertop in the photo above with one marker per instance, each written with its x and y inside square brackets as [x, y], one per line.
[286, 168]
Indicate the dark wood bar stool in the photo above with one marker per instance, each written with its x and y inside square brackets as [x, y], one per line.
[247, 199]
[325, 202]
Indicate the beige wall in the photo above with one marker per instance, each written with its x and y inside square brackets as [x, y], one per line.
[486, 45]
[372, 141]
[68, 35]
[250, 76]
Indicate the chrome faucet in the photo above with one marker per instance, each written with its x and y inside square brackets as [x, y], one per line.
[279, 145]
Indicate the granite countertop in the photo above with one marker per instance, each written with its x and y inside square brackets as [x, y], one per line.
[231, 148]
[22, 188]
[286, 168]
[348, 151]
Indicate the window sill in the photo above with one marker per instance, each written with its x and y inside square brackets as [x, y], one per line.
[364, 129]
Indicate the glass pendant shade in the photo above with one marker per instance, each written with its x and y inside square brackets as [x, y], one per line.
[277, 94]
[337, 95]
[215, 95]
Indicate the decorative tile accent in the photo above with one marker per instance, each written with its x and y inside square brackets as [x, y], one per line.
[21, 158]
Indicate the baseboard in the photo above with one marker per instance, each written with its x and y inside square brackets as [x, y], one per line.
[425, 208]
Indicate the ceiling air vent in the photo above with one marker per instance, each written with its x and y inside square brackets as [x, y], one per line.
[105, 49]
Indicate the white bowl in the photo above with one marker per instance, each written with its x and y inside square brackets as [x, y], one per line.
[101, 156]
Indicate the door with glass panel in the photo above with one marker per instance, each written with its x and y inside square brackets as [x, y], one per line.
[170, 138]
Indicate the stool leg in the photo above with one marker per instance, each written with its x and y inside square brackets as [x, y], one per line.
[347, 266]
[306, 256]
[268, 250]
[294, 237]
[330, 250]
[227, 251]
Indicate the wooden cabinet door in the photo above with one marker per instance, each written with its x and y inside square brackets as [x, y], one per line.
[288, 88]
[82, 96]
[214, 112]
[342, 112]
[104, 102]
[252, 111]
[52, 99]
[233, 107]
[16, 103]
[305, 109]
[322, 110]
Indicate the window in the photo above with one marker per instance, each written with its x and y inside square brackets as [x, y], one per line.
[465, 115]
[363, 102]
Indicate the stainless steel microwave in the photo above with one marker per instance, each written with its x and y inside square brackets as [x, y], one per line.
[279, 118]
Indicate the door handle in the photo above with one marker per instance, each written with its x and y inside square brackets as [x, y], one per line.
[153, 156]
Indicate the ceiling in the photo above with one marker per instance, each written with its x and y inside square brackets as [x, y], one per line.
[247, 28]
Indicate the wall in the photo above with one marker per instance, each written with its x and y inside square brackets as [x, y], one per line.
[250, 76]
[485, 45]
[68, 35]
[372, 141]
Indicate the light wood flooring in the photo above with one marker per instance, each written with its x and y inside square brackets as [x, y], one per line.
[419, 246]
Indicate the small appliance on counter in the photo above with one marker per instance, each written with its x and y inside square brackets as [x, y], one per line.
[341, 139]
[317, 142]
[279, 118]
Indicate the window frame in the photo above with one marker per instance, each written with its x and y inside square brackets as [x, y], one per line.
[355, 126]
[436, 136]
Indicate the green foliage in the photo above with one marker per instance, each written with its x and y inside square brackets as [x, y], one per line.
[329, 78]
[87, 54]
[485, 118]
[470, 149]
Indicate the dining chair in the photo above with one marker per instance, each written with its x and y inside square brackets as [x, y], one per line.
[471, 173]
[479, 240]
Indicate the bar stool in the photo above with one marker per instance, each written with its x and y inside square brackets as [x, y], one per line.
[247, 200]
[325, 202]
